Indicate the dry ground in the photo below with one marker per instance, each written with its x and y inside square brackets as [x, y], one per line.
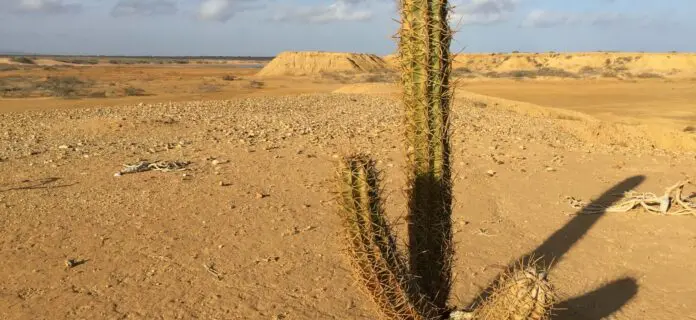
[256, 206]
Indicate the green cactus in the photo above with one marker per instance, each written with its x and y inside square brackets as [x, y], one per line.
[418, 287]
[372, 247]
[425, 63]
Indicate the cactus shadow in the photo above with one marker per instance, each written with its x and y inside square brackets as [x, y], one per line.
[430, 247]
[44, 183]
[601, 302]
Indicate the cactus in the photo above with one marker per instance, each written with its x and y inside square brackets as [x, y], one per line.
[418, 286]
[521, 293]
[380, 266]
[425, 63]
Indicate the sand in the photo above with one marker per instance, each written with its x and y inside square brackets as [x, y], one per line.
[663, 64]
[316, 63]
[251, 231]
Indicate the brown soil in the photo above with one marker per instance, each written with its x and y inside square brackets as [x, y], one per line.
[250, 231]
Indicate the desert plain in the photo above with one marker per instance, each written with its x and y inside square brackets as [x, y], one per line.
[249, 230]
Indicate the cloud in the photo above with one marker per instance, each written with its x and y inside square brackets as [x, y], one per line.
[144, 7]
[43, 6]
[340, 10]
[483, 11]
[223, 10]
[548, 19]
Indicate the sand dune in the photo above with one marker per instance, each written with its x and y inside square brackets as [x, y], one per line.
[314, 63]
[583, 63]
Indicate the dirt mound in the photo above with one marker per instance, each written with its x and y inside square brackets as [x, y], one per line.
[315, 63]
[586, 64]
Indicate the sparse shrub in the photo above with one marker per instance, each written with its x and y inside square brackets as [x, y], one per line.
[23, 60]
[66, 87]
[91, 61]
[380, 77]
[520, 74]
[589, 71]
[462, 72]
[16, 87]
[341, 77]
[133, 92]
[255, 84]
[207, 87]
[555, 72]
[610, 74]
[492, 74]
[230, 77]
[624, 59]
[690, 129]
[97, 94]
[649, 75]
[8, 67]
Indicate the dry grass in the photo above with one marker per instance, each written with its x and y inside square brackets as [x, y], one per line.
[23, 60]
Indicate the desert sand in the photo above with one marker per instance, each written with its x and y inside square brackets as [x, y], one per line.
[250, 231]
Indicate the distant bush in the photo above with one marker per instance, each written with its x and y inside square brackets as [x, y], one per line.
[133, 91]
[23, 60]
[609, 74]
[532, 74]
[690, 129]
[380, 77]
[230, 77]
[649, 75]
[128, 61]
[342, 77]
[78, 60]
[64, 86]
[255, 84]
[97, 94]
[207, 87]
[7, 67]
[461, 72]
[15, 87]
[590, 71]
[555, 72]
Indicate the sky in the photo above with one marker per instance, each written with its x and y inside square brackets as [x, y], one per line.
[267, 27]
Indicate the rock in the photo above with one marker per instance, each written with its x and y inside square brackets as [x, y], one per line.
[260, 195]
[491, 173]
[63, 146]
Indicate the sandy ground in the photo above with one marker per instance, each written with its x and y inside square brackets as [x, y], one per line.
[250, 230]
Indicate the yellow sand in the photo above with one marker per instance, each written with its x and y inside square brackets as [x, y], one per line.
[314, 63]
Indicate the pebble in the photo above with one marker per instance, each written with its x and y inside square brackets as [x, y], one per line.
[491, 173]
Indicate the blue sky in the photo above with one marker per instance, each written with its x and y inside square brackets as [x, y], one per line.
[266, 27]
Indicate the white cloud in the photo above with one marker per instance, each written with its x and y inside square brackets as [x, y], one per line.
[144, 7]
[340, 10]
[483, 11]
[223, 10]
[43, 6]
[547, 19]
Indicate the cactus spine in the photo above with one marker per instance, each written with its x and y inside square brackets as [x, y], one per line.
[372, 247]
[417, 287]
[424, 57]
